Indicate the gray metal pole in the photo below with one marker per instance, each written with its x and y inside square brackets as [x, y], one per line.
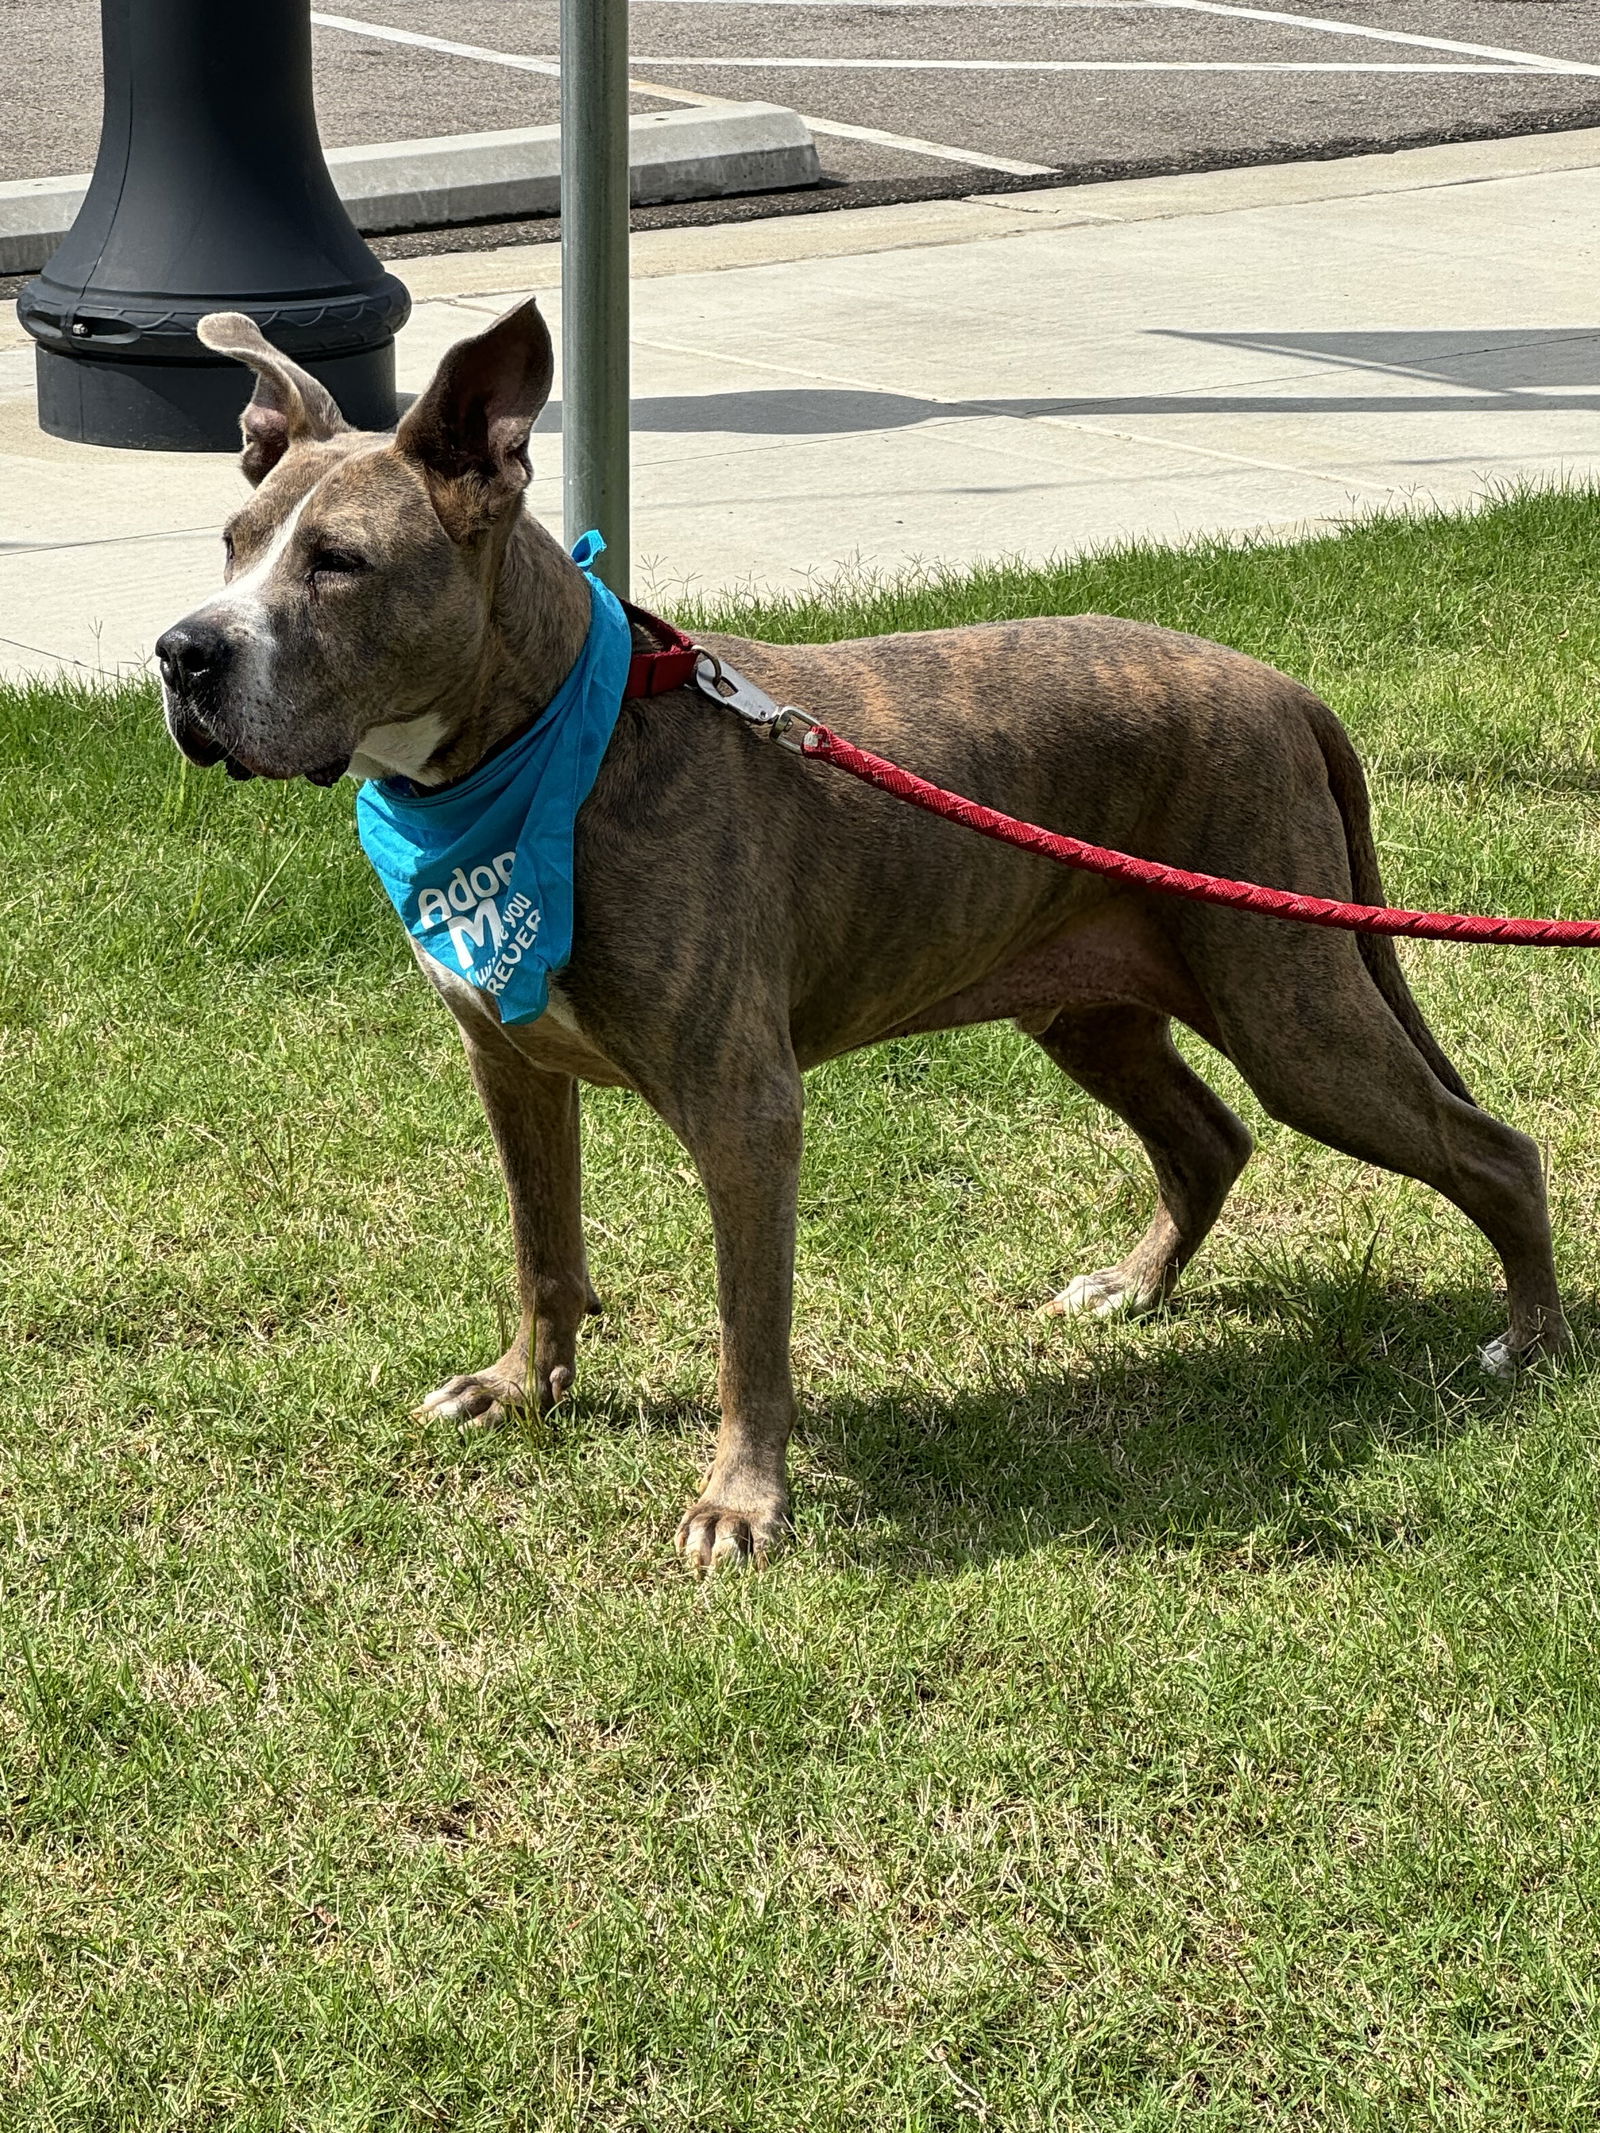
[594, 277]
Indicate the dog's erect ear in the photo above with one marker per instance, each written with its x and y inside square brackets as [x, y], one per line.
[469, 431]
[288, 404]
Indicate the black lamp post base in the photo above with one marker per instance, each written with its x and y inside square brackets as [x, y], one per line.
[210, 193]
[191, 407]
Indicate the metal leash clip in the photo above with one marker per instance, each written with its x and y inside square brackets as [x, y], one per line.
[785, 723]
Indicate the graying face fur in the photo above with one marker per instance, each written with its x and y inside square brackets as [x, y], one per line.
[360, 575]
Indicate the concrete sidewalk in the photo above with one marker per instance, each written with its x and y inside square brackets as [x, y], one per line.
[1271, 349]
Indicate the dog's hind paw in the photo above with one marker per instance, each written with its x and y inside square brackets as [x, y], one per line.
[502, 1389]
[475, 1396]
[1108, 1294]
[1504, 1358]
[1499, 1359]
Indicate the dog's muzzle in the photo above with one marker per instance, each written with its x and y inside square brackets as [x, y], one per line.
[195, 657]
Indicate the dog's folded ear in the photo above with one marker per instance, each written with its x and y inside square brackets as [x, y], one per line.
[288, 404]
[469, 431]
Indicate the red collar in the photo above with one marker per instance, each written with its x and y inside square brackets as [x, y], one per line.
[670, 667]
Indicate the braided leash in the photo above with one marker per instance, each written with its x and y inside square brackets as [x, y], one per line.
[795, 729]
[824, 746]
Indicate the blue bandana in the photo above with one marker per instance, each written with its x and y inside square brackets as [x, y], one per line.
[481, 871]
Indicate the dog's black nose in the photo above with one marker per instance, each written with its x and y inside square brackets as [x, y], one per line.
[192, 652]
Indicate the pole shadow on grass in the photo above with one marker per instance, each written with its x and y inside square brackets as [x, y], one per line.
[1240, 1441]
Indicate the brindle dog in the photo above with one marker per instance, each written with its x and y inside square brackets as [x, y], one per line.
[743, 914]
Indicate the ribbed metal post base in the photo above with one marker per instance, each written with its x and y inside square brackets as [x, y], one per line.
[210, 193]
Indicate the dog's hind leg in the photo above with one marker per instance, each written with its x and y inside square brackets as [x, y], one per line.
[1310, 1029]
[1125, 1057]
[534, 1118]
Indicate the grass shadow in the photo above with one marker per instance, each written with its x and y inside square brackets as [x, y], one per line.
[1438, 767]
[1233, 1424]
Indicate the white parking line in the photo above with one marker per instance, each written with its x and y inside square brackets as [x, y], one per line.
[1532, 62]
[1110, 66]
[909, 143]
[965, 7]
[528, 64]
[447, 45]
[1535, 62]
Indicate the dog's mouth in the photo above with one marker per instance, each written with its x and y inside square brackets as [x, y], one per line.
[192, 738]
[325, 774]
[197, 744]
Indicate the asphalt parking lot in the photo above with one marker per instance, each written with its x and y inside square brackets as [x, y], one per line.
[914, 98]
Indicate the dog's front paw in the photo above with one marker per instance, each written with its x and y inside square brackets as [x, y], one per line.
[1108, 1294]
[490, 1395]
[720, 1536]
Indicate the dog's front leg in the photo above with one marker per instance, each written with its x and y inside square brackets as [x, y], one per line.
[746, 1144]
[534, 1118]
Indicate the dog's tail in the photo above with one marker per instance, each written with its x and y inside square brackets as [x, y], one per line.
[1349, 786]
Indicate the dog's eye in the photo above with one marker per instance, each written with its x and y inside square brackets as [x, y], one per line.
[227, 551]
[337, 563]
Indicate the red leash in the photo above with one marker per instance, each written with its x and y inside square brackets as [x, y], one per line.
[826, 747]
[681, 662]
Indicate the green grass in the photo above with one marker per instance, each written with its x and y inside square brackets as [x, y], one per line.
[1187, 1725]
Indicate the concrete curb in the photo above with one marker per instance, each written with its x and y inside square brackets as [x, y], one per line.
[700, 154]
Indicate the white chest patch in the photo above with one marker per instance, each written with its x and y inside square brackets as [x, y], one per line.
[398, 750]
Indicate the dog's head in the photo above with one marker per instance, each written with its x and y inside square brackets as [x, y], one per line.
[361, 575]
